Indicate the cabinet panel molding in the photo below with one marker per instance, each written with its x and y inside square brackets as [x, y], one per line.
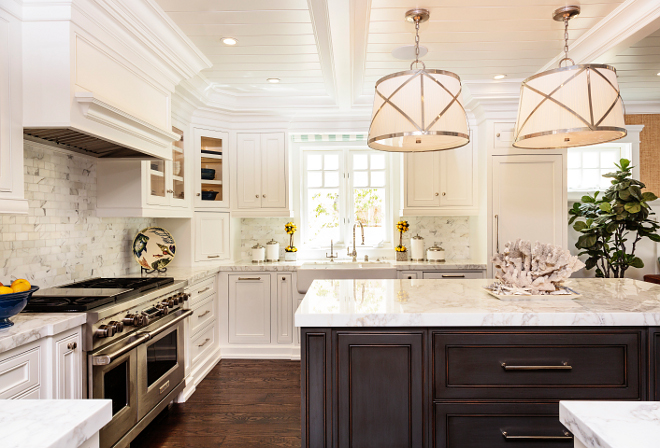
[249, 308]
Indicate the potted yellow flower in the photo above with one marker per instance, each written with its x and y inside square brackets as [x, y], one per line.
[290, 250]
[401, 251]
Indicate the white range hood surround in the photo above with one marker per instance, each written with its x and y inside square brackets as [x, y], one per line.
[98, 77]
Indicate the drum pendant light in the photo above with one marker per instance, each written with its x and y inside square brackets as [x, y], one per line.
[573, 105]
[420, 109]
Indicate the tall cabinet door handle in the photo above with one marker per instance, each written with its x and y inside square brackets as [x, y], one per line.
[497, 234]
[567, 436]
[563, 366]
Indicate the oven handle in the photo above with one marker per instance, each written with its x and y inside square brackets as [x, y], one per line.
[104, 360]
[170, 324]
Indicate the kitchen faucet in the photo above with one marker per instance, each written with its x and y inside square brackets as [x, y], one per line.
[354, 253]
[332, 249]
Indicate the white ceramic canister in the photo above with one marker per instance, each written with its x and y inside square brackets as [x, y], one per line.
[258, 253]
[435, 253]
[417, 248]
[272, 251]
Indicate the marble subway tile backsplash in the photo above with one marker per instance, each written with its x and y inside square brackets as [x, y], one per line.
[452, 233]
[61, 239]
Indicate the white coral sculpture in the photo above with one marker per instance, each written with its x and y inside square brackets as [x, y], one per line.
[523, 269]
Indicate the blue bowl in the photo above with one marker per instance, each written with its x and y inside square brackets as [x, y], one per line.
[12, 304]
[208, 174]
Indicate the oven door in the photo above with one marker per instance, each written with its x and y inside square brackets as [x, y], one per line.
[116, 379]
[160, 361]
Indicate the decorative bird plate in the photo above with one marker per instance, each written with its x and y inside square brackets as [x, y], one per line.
[154, 248]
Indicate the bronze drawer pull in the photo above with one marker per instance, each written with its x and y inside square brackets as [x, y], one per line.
[203, 314]
[453, 275]
[247, 279]
[204, 290]
[204, 343]
[563, 366]
[567, 436]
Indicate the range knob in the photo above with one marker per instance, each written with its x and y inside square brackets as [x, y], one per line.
[162, 308]
[180, 297]
[104, 331]
[118, 327]
[144, 320]
[172, 301]
[186, 296]
[133, 320]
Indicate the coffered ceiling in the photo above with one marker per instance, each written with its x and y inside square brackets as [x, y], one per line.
[331, 52]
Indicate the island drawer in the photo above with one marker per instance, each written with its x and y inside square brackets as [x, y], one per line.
[495, 425]
[541, 364]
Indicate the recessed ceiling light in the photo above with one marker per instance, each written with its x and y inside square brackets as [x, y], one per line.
[499, 76]
[229, 41]
[273, 80]
[658, 74]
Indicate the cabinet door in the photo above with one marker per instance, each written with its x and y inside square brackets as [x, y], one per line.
[380, 390]
[284, 316]
[274, 181]
[211, 148]
[456, 177]
[655, 363]
[528, 192]
[157, 184]
[211, 236]
[176, 169]
[249, 308]
[249, 188]
[68, 368]
[422, 173]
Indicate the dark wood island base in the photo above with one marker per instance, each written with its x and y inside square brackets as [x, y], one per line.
[485, 387]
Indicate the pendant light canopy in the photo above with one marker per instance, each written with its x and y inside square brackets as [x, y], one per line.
[575, 105]
[420, 109]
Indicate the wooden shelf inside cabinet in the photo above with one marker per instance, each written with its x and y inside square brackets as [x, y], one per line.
[157, 173]
[179, 178]
[211, 182]
[213, 157]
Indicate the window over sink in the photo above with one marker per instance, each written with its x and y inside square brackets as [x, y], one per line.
[342, 187]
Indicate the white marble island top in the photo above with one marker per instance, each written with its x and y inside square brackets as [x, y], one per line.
[51, 423]
[465, 303]
[613, 424]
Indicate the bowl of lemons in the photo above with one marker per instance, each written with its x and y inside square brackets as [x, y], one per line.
[13, 299]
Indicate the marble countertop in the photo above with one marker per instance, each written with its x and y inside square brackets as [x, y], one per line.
[30, 327]
[195, 273]
[613, 424]
[465, 303]
[51, 423]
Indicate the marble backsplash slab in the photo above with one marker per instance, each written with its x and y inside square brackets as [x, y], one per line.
[452, 233]
[61, 239]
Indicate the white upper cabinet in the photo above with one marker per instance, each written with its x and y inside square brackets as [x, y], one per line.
[440, 183]
[211, 236]
[91, 69]
[211, 169]
[262, 175]
[12, 199]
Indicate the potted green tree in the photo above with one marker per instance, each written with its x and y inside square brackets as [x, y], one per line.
[612, 225]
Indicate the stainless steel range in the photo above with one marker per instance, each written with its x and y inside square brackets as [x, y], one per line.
[133, 344]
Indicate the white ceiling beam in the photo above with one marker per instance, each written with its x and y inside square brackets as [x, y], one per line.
[629, 23]
[339, 13]
[360, 18]
[318, 11]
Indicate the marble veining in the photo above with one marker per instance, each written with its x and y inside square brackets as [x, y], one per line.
[465, 303]
[613, 424]
[51, 423]
[29, 327]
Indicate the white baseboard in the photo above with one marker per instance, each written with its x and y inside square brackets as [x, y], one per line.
[234, 351]
[197, 374]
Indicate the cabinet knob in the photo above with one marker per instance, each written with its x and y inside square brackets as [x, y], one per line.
[444, 193]
[283, 279]
[497, 135]
[437, 194]
[263, 195]
[72, 345]
[199, 194]
[256, 196]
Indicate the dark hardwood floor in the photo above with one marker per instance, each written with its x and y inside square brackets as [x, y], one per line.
[241, 403]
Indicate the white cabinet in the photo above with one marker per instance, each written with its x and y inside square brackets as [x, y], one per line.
[528, 199]
[249, 308]
[152, 188]
[283, 317]
[211, 236]
[262, 179]
[12, 199]
[21, 370]
[440, 182]
[68, 366]
[211, 168]
[409, 275]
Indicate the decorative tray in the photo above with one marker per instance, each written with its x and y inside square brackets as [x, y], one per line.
[570, 296]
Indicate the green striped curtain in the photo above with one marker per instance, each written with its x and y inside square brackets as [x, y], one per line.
[305, 138]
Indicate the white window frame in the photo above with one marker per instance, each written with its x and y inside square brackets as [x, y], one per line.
[393, 198]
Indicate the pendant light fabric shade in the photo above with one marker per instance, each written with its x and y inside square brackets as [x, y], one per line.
[418, 110]
[577, 105]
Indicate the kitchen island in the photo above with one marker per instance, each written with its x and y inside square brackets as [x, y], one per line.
[442, 363]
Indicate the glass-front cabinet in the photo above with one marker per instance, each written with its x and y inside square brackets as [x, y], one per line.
[211, 173]
[166, 179]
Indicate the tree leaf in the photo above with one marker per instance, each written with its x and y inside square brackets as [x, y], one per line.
[648, 196]
[636, 192]
[624, 194]
[605, 206]
[591, 263]
[637, 263]
[579, 226]
[588, 199]
[654, 237]
[624, 164]
[633, 207]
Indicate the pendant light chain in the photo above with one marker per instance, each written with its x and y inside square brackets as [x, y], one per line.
[567, 17]
[416, 41]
